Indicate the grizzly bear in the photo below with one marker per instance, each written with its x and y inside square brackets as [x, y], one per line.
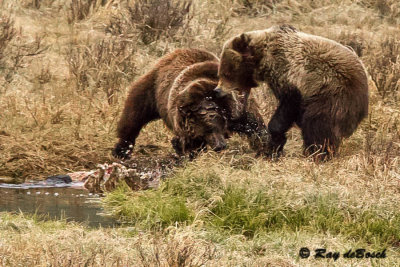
[321, 85]
[180, 90]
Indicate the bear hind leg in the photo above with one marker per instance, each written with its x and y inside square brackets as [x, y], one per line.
[319, 141]
[320, 135]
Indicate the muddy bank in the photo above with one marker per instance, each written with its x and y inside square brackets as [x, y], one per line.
[140, 172]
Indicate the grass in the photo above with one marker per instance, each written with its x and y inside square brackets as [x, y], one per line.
[239, 209]
[150, 209]
[64, 74]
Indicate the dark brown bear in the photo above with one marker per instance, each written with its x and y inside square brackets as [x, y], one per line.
[180, 90]
[321, 85]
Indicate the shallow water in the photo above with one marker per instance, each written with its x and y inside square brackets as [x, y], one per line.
[60, 201]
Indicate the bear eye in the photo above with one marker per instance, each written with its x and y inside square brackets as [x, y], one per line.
[225, 75]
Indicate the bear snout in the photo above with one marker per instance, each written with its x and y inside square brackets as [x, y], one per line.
[217, 142]
[219, 93]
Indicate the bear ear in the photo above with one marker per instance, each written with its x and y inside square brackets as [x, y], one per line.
[241, 42]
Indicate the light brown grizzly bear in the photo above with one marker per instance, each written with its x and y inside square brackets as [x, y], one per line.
[180, 90]
[321, 85]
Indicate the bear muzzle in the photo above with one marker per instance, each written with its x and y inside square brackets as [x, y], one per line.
[219, 93]
[216, 141]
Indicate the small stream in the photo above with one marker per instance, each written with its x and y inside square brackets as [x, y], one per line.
[64, 197]
[57, 201]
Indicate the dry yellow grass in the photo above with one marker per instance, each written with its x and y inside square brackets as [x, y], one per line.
[59, 113]
[27, 241]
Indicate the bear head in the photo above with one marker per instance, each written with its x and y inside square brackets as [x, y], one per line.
[204, 122]
[199, 117]
[236, 71]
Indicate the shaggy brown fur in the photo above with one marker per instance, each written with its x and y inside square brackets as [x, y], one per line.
[321, 85]
[180, 90]
[174, 90]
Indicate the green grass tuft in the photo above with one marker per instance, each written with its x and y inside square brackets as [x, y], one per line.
[149, 209]
[241, 212]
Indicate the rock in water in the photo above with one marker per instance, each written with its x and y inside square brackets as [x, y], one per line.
[59, 179]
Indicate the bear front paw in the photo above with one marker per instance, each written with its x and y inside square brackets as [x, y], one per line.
[272, 149]
[123, 150]
[177, 145]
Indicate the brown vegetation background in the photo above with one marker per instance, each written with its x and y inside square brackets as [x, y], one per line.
[65, 67]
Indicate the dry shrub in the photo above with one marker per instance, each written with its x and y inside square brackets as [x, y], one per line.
[107, 65]
[382, 139]
[387, 8]
[121, 24]
[270, 7]
[44, 76]
[22, 51]
[155, 18]
[81, 9]
[255, 7]
[15, 51]
[353, 40]
[173, 251]
[384, 67]
[151, 19]
[7, 33]
[38, 3]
